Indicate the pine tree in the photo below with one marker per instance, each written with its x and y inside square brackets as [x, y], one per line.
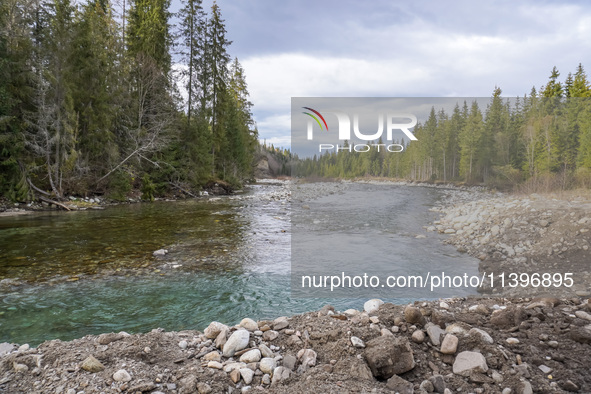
[469, 142]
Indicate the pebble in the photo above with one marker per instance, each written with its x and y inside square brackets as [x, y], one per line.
[252, 356]
[357, 342]
[237, 341]
[121, 376]
[247, 375]
[373, 305]
[512, 341]
[267, 365]
[449, 344]
[418, 336]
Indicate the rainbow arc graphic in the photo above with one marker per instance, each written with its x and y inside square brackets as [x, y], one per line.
[315, 118]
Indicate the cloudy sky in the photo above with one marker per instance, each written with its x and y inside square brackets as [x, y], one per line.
[387, 48]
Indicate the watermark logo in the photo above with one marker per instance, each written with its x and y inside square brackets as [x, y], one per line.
[390, 122]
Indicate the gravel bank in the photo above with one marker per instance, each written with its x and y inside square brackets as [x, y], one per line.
[531, 235]
[454, 345]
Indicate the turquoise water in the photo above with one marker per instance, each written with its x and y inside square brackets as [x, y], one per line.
[91, 272]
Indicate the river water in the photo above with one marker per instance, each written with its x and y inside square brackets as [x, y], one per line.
[68, 274]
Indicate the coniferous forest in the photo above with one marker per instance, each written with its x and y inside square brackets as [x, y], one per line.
[541, 141]
[90, 104]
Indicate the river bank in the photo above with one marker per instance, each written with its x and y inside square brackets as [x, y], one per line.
[529, 235]
[474, 345]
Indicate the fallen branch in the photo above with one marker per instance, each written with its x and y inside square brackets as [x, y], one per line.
[58, 204]
[36, 188]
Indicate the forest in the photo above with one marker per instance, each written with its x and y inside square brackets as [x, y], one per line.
[541, 141]
[90, 100]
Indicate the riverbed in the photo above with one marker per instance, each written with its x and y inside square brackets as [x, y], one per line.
[68, 274]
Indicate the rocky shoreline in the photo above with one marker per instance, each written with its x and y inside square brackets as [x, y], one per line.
[474, 345]
[529, 235]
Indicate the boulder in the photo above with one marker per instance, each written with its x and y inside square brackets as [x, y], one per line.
[387, 356]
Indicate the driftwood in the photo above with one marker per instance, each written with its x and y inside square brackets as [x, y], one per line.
[58, 204]
[45, 199]
[183, 190]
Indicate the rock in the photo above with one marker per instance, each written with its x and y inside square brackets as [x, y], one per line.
[235, 375]
[307, 358]
[6, 348]
[265, 351]
[183, 344]
[399, 385]
[280, 374]
[105, 339]
[270, 335]
[247, 375]
[418, 336]
[221, 339]
[438, 383]
[19, 368]
[91, 364]
[267, 365]
[427, 386]
[581, 334]
[280, 323]
[413, 315]
[266, 379]
[481, 335]
[467, 361]
[497, 377]
[215, 365]
[545, 369]
[387, 356]
[294, 340]
[289, 361]
[525, 388]
[214, 329]
[360, 370]
[506, 318]
[583, 315]
[434, 333]
[351, 312]
[24, 348]
[372, 306]
[121, 376]
[568, 385]
[237, 341]
[252, 356]
[160, 252]
[357, 342]
[249, 324]
[203, 388]
[449, 344]
[512, 341]
[213, 356]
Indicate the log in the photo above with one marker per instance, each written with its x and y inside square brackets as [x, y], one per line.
[58, 204]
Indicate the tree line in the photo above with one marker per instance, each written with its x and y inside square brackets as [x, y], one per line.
[541, 137]
[90, 104]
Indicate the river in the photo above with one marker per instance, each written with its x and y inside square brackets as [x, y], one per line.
[68, 274]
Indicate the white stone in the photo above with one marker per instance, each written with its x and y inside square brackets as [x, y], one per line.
[249, 324]
[247, 375]
[183, 344]
[237, 341]
[357, 342]
[279, 374]
[252, 356]
[373, 305]
[467, 361]
[267, 365]
[121, 376]
[580, 314]
[215, 365]
[160, 252]
[483, 335]
[512, 341]
[265, 351]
